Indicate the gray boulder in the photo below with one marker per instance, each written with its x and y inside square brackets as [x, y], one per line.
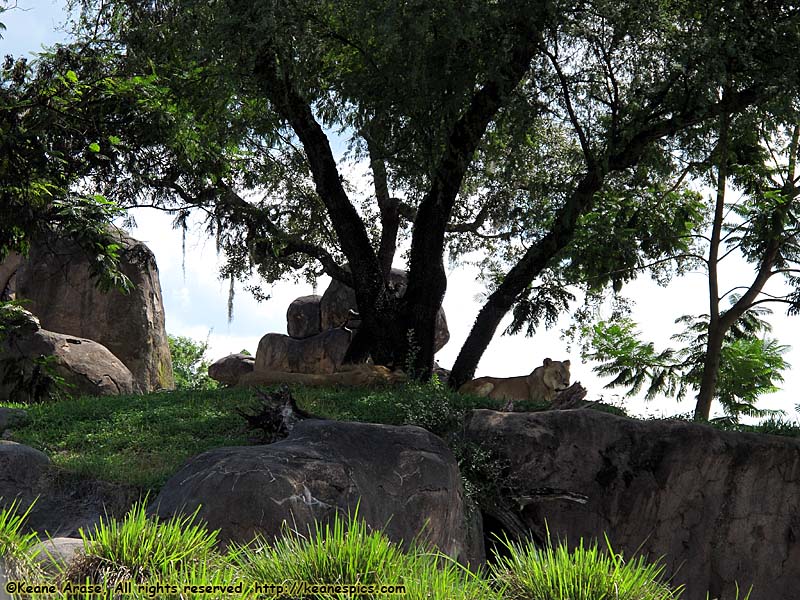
[322, 353]
[230, 369]
[62, 504]
[86, 367]
[303, 317]
[399, 477]
[720, 507]
[11, 418]
[21, 469]
[55, 554]
[54, 280]
[339, 300]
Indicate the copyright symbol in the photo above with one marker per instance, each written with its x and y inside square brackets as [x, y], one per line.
[11, 587]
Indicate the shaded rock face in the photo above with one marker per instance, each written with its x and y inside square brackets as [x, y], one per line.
[322, 353]
[55, 281]
[21, 468]
[720, 507]
[230, 369]
[303, 317]
[63, 505]
[402, 476]
[86, 367]
[11, 418]
[339, 299]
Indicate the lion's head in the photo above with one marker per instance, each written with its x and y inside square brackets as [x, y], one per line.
[555, 374]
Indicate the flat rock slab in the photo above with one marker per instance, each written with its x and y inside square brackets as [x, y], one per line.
[398, 477]
[721, 507]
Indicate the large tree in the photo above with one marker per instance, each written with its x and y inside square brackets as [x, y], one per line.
[509, 126]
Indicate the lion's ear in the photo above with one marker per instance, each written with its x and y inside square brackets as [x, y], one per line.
[547, 362]
[566, 363]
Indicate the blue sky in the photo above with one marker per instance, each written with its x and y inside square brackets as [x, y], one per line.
[196, 303]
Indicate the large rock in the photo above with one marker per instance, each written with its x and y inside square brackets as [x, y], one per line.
[322, 353]
[230, 369]
[399, 477]
[86, 367]
[21, 469]
[339, 299]
[11, 418]
[720, 507]
[303, 317]
[55, 282]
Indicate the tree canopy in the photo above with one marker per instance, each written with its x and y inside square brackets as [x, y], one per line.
[534, 132]
[47, 146]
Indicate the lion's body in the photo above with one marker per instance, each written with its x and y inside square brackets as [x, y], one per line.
[541, 385]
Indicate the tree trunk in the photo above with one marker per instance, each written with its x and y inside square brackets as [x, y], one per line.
[711, 362]
[716, 333]
[520, 276]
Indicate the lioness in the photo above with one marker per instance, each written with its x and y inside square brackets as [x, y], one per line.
[541, 385]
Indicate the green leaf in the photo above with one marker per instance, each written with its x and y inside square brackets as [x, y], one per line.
[94, 147]
[71, 76]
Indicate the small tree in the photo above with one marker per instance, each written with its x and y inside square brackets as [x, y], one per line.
[750, 363]
[189, 366]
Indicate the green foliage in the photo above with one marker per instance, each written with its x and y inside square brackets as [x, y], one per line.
[346, 551]
[141, 548]
[189, 365]
[397, 81]
[431, 405]
[48, 150]
[16, 545]
[584, 573]
[750, 366]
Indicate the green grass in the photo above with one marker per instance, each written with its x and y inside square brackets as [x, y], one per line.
[585, 573]
[347, 552]
[140, 548]
[136, 440]
[16, 545]
[141, 551]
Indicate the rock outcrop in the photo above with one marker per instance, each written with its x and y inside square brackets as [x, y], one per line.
[230, 369]
[55, 281]
[339, 300]
[721, 507]
[322, 353]
[303, 317]
[86, 367]
[399, 477]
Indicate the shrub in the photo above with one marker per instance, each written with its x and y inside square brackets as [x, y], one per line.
[189, 366]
